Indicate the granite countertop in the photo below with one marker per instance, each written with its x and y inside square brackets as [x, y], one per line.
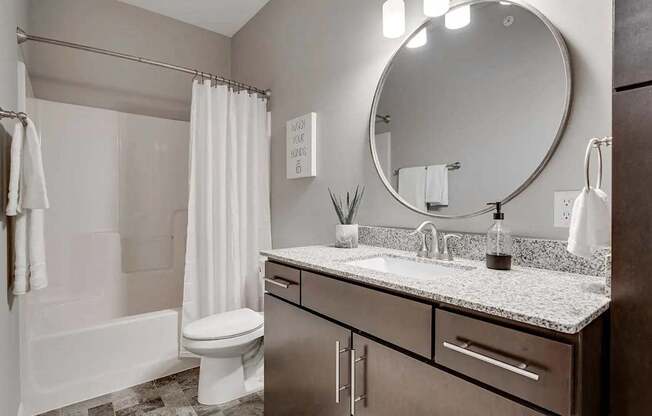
[563, 302]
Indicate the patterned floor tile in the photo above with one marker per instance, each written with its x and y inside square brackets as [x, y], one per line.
[174, 395]
[101, 410]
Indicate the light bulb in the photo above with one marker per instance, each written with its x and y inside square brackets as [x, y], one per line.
[505, 3]
[458, 17]
[393, 18]
[419, 39]
[435, 8]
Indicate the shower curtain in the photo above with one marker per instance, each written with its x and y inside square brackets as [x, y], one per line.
[228, 207]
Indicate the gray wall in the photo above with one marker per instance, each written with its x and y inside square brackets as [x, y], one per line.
[12, 13]
[76, 77]
[327, 57]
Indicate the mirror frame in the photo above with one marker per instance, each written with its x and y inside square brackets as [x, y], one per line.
[563, 49]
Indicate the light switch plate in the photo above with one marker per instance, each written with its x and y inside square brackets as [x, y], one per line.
[563, 207]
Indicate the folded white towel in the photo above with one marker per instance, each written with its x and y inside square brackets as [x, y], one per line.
[590, 226]
[26, 200]
[412, 186]
[437, 185]
[33, 192]
[14, 170]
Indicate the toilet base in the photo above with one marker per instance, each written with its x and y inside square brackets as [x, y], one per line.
[221, 380]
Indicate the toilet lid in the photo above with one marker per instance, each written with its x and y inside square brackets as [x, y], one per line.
[224, 325]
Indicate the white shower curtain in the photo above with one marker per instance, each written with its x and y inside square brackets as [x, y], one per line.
[228, 207]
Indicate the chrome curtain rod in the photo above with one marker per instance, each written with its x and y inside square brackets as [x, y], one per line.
[23, 37]
[14, 115]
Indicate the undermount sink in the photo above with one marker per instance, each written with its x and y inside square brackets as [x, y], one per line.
[404, 267]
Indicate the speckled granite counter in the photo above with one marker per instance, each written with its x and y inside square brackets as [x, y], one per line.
[563, 302]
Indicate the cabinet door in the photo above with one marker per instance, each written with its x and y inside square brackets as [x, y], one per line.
[632, 42]
[631, 313]
[396, 384]
[300, 366]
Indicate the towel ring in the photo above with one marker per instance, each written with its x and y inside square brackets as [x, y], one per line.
[597, 144]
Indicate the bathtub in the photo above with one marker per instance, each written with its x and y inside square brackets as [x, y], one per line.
[75, 365]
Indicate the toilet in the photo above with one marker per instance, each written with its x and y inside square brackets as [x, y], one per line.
[220, 340]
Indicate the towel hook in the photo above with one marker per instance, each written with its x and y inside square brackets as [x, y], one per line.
[597, 144]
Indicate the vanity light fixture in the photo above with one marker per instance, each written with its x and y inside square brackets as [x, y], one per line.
[458, 18]
[419, 39]
[435, 8]
[393, 18]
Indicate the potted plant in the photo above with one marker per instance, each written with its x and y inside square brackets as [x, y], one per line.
[346, 232]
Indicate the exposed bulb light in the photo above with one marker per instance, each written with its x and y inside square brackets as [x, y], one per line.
[505, 3]
[419, 39]
[393, 18]
[458, 17]
[435, 8]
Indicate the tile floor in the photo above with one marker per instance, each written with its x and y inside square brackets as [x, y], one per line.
[175, 395]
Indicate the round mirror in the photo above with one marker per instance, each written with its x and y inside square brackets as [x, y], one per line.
[468, 115]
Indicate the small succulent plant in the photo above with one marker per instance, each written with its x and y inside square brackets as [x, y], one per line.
[347, 212]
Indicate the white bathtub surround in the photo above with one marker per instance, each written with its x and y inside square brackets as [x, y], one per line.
[73, 335]
[26, 201]
[228, 222]
[346, 235]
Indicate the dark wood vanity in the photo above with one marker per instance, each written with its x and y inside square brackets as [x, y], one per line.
[407, 356]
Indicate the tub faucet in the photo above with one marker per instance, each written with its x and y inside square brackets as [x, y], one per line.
[433, 251]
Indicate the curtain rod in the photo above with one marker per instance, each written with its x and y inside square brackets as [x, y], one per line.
[23, 37]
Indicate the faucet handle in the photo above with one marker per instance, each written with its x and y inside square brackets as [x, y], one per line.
[447, 254]
[423, 251]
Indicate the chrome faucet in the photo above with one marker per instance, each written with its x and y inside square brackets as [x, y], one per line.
[424, 251]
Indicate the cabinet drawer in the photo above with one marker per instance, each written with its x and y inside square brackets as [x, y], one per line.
[533, 368]
[283, 281]
[402, 322]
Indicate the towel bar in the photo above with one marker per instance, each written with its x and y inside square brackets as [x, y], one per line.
[597, 144]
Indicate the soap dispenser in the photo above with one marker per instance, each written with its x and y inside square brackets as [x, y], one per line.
[499, 242]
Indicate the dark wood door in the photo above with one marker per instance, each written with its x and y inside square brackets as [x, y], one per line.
[300, 362]
[396, 384]
[632, 42]
[631, 319]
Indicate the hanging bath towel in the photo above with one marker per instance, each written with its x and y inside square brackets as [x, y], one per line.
[26, 201]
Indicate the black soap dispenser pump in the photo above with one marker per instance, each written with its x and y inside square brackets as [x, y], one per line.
[499, 242]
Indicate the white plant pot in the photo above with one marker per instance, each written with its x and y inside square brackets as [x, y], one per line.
[346, 235]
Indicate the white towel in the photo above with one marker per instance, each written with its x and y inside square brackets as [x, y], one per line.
[590, 226]
[412, 186]
[14, 170]
[26, 200]
[437, 185]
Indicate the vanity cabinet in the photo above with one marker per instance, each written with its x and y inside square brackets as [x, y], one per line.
[300, 363]
[406, 356]
[632, 40]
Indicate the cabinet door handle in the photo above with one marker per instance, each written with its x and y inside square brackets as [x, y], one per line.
[338, 351]
[354, 399]
[279, 282]
[520, 369]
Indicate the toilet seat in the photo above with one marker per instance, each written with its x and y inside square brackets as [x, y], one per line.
[224, 326]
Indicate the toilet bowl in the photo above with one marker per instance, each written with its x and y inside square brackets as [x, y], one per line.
[220, 341]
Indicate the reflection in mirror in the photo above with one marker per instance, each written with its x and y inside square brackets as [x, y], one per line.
[474, 113]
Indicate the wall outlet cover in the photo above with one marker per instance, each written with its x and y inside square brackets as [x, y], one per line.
[564, 207]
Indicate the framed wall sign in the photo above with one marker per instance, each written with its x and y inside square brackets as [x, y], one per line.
[301, 146]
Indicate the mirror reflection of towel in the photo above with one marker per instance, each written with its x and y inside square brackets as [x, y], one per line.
[437, 185]
[412, 186]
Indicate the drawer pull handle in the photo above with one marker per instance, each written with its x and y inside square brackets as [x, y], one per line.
[339, 350]
[279, 282]
[520, 369]
[354, 399]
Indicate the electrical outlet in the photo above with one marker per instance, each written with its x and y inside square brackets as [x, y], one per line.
[563, 207]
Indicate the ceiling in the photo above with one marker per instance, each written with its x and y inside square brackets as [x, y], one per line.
[222, 16]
